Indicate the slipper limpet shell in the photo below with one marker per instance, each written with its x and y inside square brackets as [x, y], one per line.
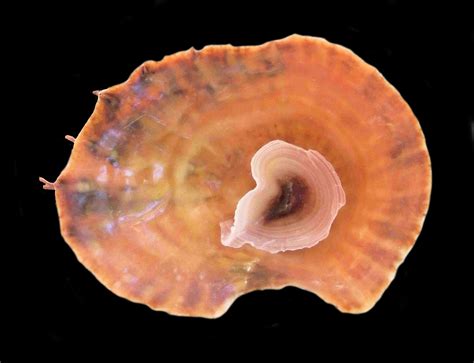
[165, 158]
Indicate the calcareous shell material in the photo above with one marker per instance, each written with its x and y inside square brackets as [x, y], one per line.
[296, 199]
[165, 157]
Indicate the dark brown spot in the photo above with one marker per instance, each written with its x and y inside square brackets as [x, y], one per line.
[145, 74]
[268, 64]
[209, 89]
[193, 75]
[111, 101]
[290, 200]
[61, 182]
[113, 161]
[134, 126]
[92, 201]
[172, 86]
[397, 149]
[178, 92]
[109, 145]
[272, 68]
[71, 231]
[92, 146]
[80, 234]
[260, 276]
[99, 150]
[402, 145]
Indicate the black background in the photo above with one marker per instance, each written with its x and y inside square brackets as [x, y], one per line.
[50, 301]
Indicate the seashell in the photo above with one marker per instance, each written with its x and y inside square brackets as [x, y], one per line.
[297, 197]
[159, 169]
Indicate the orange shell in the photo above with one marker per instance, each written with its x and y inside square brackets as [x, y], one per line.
[165, 157]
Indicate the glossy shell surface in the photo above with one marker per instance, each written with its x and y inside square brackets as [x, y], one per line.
[165, 157]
